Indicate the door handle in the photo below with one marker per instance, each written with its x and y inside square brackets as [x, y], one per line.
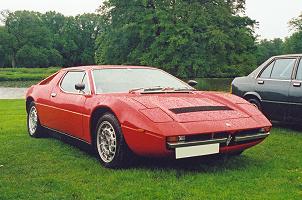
[297, 84]
[260, 82]
[53, 94]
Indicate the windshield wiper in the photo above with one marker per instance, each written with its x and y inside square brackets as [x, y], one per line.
[184, 89]
[150, 89]
[161, 89]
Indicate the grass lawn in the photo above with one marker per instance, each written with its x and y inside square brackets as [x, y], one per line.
[24, 77]
[50, 168]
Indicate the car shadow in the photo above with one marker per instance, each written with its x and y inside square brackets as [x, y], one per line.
[294, 127]
[204, 164]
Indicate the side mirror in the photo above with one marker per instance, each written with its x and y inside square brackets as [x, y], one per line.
[192, 83]
[79, 86]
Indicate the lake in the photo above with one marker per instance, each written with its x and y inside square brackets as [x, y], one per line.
[214, 84]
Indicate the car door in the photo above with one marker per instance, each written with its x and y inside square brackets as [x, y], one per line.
[273, 85]
[295, 94]
[68, 103]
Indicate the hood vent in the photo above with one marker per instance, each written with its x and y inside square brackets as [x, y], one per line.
[198, 109]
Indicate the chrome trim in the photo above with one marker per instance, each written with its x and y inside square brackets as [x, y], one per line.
[66, 134]
[202, 142]
[221, 140]
[75, 70]
[251, 137]
[273, 79]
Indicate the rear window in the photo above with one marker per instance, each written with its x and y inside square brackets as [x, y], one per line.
[279, 69]
[283, 69]
[48, 79]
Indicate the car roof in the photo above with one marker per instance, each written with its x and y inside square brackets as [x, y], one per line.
[92, 67]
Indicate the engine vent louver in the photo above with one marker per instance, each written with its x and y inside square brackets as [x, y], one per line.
[198, 109]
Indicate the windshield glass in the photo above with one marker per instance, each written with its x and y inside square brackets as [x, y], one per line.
[125, 80]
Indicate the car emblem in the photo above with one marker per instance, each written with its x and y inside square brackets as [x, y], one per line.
[228, 124]
[229, 140]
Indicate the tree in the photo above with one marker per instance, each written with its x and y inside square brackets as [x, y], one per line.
[269, 48]
[186, 38]
[48, 39]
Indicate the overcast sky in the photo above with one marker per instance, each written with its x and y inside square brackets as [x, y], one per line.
[272, 15]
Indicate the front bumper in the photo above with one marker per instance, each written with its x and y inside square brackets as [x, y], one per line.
[230, 140]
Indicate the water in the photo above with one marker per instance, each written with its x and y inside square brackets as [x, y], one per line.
[214, 84]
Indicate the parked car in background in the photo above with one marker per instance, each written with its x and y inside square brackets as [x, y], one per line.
[121, 110]
[274, 88]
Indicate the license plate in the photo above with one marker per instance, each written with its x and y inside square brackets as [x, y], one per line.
[200, 150]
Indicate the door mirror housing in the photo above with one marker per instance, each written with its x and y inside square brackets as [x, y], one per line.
[80, 86]
[192, 83]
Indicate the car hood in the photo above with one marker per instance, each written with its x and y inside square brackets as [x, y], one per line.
[196, 106]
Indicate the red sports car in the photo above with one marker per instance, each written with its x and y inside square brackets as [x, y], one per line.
[121, 110]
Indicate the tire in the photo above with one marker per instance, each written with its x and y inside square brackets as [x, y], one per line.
[109, 143]
[256, 103]
[34, 127]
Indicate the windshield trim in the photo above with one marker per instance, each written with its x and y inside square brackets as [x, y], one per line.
[149, 68]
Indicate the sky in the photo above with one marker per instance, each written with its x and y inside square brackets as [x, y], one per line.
[273, 15]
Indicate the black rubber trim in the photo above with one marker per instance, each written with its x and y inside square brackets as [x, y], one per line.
[198, 109]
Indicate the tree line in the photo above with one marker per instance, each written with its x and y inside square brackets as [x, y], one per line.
[188, 38]
[32, 39]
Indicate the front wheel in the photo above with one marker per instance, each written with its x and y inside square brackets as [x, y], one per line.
[110, 144]
[34, 127]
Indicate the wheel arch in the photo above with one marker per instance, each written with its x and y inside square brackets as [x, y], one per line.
[96, 114]
[252, 95]
[29, 99]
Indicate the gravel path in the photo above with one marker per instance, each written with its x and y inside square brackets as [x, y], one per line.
[12, 93]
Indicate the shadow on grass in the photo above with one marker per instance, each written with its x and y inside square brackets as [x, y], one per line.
[205, 164]
[293, 127]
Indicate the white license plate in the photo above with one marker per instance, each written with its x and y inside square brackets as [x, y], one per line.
[200, 150]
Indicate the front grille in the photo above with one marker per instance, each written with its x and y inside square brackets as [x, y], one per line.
[198, 109]
[229, 138]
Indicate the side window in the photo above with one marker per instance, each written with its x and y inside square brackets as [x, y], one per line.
[299, 72]
[283, 69]
[267, 72]
[72, 78]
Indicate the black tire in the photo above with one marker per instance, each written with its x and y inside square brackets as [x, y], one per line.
[34, 130]
[256, 103]
[122, 157]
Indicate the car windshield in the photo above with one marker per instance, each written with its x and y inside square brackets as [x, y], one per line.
[132, 79]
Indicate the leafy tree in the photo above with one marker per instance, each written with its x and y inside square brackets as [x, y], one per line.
[269, 48]
[50, 38]
[187, 38]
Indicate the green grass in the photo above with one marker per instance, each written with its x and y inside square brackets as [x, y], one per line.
[50, 168]
[25, 74]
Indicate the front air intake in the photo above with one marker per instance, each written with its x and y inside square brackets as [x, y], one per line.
[198, 109]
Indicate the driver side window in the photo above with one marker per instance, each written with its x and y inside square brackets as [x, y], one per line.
[72, 78]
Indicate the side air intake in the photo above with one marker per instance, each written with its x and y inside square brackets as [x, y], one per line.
[198, 109]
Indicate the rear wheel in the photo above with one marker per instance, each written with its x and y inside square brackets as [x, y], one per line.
[33, 123]
[256, 103]
[110, 144]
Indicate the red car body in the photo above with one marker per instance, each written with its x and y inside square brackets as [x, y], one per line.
[153, 124]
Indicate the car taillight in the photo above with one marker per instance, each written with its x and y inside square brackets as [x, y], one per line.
[265, 129]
